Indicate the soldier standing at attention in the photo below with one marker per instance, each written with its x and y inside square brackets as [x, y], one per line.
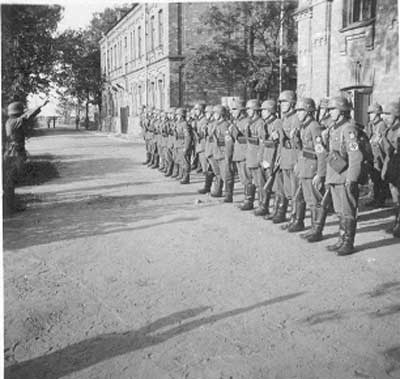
[311, 164]
[391, 167]
[184, 136]
[376, 130]
[219, 131]
[288, 155]
[238, 133]
[343, 171]
[163, 142]
[170, 142]
[255, 135]
[200, 131]
[270, 155]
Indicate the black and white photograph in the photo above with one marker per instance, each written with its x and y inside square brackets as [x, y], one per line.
[200, 190]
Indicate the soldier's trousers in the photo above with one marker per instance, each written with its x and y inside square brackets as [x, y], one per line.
[203, 161]
[243, 173]
[278, 185]
[345, 200]
[221, 171]
[214, 166]
[290, 183]
[186, 159]
[229, 170]
[312, 195]
[256, 176]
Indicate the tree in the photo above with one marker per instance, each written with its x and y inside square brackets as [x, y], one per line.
[28, 49]
[244, 51]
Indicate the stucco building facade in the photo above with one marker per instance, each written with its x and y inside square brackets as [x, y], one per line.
[349, 47]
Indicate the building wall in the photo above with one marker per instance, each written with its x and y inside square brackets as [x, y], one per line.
[360, 55]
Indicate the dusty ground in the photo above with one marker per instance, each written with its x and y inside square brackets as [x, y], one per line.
[114, 271]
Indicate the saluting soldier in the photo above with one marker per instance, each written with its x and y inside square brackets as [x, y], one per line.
[238, 133]
[376, 130]
[255, 134]
[391, 167]
[269, 162]
[219, 130]
[311, 164]
[206, 125]
[343, 171]
[288, 155]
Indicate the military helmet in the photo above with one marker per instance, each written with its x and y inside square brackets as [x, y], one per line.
[393, 108]
[306, 104]
[340, 103]
[269, 105]
[238, 104]
[253, 104]
[199, 106]
[172, 110]
[288, 96]
[220, 109]
[375, 108]
[16, 108]
[324, 103]
[181, 112]
[209, 109]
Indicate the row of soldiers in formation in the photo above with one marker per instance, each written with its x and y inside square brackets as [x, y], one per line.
[304, 158]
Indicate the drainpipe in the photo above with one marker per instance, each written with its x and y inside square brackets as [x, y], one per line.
[146, 89]
[328, 45]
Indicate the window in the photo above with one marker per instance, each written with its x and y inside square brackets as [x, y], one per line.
[133, 44]
[152, 33]
[161, 94]
[126, 42]
[357, 11]
[111, 59]
[139, 41]
[160, 28]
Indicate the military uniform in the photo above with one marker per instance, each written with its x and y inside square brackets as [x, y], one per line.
[238, 133]
[201, 130]
[183, 146]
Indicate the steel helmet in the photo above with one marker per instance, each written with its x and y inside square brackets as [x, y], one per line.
[220, 109]
[393, 108]
[324, 103]
[340, 103]
[253, 104]
[16, 108]
[375, 108]
[306, 104]
[209, 109]
[288, 96]
[269, 105]
[181, 112]
[199, 107]
[238, 104]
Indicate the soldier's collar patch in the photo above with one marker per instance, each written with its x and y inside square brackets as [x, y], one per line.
[319, 148]
[353, 146]
[318, 139]
[352, 135]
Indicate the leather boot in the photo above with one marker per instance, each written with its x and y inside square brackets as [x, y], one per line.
[218, 188]
[298, 224]
[208, 178]
[170, 169]
[229, 191]
[248, 203]
[185, 177]
[396, 226]
[156, 162]
[281, 214]
[319, 223]
[148, 157]
[348, 239]
[313, 221]
[151, 161]
[292, 218]
[176, 171]
[263, 207]
[180, 173]
[199, 169]
[275, 209]
[340, 240]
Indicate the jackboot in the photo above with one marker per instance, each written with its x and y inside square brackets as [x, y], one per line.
[156, 162]
[313, 221]
[229, 190]
[292, 218]
[248, 203]
[298, 224]
[340, 239]
[176, 171]
[185, 177]
[263, 207]
[396, 226]
[170, 169]
[274, 209]
[348, 239]
[281, 214]
[151, 161]
[208, 178]
[319, 223]
[219, 185]
[148, 157]
[180, 173]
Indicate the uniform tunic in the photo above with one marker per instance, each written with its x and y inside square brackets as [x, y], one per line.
[238, 133]
[391, 169]
[201, 126]
[220, 130]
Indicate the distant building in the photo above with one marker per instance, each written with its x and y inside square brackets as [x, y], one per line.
[142, 57]
[349, 46]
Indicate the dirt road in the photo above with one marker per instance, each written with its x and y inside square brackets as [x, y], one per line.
[114, 271]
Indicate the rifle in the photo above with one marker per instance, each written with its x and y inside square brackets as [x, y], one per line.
[270, 182]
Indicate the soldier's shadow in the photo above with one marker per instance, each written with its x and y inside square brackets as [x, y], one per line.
[86, 353]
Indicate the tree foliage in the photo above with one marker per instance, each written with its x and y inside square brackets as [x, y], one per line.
[28, 48]
[245, 49]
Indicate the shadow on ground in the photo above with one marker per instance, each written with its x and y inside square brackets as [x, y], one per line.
[94, 350]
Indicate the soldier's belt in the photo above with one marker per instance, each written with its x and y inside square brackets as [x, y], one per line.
[269, 144]
[253, 140]
[242, 140]
[181, 137]
[220, 142]
[309, 154]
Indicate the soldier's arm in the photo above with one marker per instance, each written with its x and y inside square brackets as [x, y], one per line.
[354, 153]
[316, 133]
[34, 112]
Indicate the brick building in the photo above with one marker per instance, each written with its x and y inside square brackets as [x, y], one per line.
[350, 47]
[142, 60]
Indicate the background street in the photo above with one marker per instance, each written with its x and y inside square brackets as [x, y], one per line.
[114, 271]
